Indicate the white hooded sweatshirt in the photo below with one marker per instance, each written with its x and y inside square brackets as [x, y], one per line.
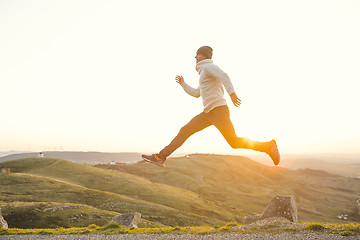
[211, 82]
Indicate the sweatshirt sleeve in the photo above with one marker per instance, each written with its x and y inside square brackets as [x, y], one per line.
[190, 90]
[222, 76]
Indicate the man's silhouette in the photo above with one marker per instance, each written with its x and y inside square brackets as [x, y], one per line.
[216, 112]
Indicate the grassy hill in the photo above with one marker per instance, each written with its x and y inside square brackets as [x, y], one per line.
[36, 215]
[26, 188]
[54, 180]
[245, 184]
[194, 190]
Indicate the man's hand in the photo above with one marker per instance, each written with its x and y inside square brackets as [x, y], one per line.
[179, 79]
[235, 99]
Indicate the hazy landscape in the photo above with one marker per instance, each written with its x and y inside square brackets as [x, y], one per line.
[78, 157]
[193, 190]
[340, 164]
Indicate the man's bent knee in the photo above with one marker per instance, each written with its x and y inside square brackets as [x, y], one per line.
[233, 142]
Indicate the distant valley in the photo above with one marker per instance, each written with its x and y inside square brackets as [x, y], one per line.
[341, 164]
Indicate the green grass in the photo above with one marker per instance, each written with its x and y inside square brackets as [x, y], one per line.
[129, 185]
[315, 226]
[198, 190]
[114, 228]
[342, 229]
[249, 186]
[36, 215]
[31, 189]
[32, 215]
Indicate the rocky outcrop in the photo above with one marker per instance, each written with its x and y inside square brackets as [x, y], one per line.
[128, 219]
[280, 206]
[3, 222]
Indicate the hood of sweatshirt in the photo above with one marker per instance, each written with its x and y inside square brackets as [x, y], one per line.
[200, 65]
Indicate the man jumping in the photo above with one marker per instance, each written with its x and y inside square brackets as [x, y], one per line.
[216, 112]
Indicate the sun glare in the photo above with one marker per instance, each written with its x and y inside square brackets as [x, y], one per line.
[90, 75]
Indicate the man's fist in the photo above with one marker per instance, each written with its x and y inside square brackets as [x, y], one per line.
[179, 79]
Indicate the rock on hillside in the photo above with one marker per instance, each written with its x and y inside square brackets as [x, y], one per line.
[280, 206]
[128, 219]
[3, 222]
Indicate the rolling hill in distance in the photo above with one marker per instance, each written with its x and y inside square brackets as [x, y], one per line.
[198, 189]
[340, 164]
[91, 158]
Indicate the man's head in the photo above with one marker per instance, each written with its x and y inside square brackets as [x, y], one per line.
[204, 52]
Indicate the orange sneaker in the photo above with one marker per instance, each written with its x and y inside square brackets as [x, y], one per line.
[155, 159]
[274, 152]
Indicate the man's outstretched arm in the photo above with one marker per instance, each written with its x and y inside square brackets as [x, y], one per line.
[189, 90]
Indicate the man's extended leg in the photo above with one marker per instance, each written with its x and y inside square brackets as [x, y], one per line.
[198, 123]
[220, 117]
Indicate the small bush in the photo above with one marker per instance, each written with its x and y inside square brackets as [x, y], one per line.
[232, 224]
[346, 233]
[204, 232]
[92, 226]
[2, 230]
[224, 229]
[44, 232]
[355, 229]
[111, 225]
[315, 226]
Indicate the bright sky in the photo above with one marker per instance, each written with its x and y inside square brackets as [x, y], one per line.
[99, 75]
